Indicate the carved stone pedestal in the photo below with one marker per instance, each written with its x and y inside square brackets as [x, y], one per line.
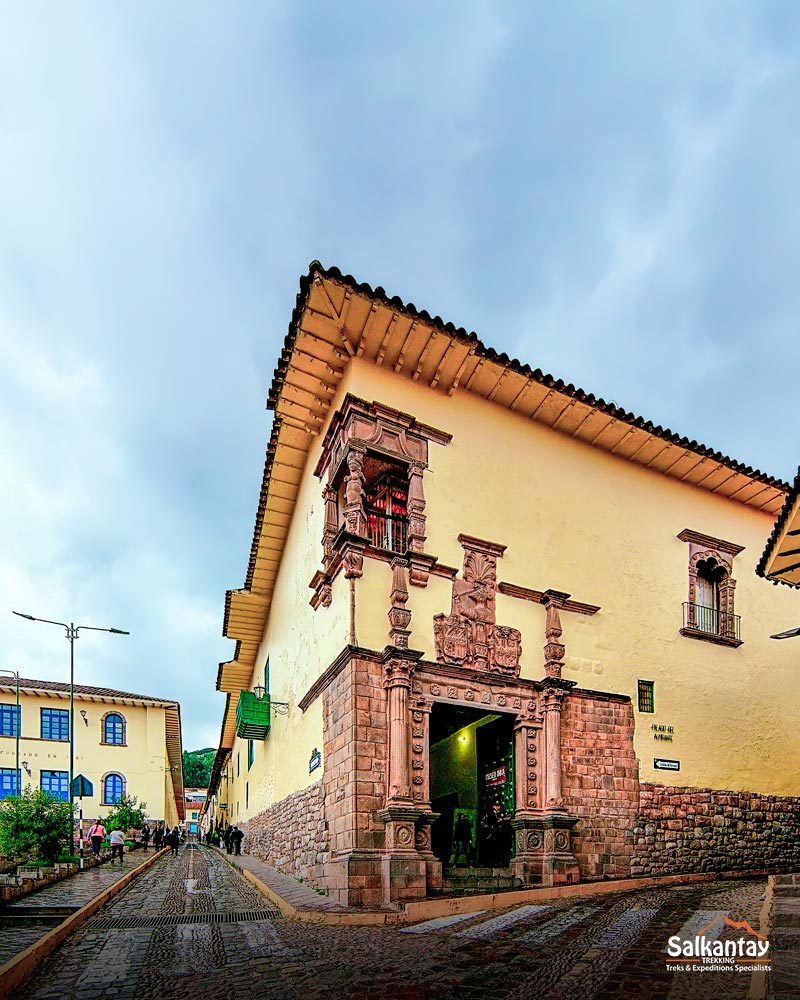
[404, 874]
[433, 866]
[544, 850]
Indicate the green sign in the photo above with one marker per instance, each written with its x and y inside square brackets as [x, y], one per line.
[81, 786]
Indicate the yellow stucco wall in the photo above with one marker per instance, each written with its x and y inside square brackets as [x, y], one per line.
[142, 762]
[300, 644]
[578, 520]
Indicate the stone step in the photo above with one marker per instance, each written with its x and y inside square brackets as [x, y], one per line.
[478, 881]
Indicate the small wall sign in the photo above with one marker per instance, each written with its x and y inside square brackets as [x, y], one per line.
[496, 777]
[315, 760]
[660, 764]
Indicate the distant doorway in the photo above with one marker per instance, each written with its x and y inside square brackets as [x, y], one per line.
[471, 770]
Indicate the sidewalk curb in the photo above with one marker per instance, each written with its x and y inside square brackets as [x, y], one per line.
[14, 973]
[425, 909]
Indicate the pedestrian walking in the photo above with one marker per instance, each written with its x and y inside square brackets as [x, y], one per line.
[228, 838]
[96, 834]
[117, 839]
[462, 839]
[173, 839]
[158, 837]
[145, 836]
[237, 836]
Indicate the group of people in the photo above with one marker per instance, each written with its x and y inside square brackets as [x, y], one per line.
[161, 837]
[493, 845]
[97, 834]
[229, 837]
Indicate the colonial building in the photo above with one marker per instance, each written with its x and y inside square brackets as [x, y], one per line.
[474, 589]
[125, 744]
[194, 799]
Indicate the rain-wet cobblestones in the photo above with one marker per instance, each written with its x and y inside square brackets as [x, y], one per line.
[601, 947]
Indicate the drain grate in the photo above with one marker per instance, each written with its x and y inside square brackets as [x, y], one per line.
[173, 919]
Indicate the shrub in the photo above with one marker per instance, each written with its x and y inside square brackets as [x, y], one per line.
[34, 824]
[127, 814]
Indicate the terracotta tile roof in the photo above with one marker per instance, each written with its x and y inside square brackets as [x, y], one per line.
[100, 692]
[789, 511]
[687, 460]
[459, 333]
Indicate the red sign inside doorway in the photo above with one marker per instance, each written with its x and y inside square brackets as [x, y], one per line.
[496, 777]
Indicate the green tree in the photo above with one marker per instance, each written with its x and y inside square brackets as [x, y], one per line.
[127, 814]
[35, 824]
[197, 767]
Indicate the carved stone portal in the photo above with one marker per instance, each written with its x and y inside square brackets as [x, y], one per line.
[469, 635]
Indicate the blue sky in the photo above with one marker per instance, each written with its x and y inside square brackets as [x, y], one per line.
[607, 191]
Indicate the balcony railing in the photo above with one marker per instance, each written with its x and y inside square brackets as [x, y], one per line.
[710, 621]
[387, 532]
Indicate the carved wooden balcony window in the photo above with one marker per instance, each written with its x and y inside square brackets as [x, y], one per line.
[374, 458]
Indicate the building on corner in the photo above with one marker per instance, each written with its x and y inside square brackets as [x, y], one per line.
[125, 744]
[475, 589]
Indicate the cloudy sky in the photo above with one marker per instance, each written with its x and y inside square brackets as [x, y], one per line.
[605, 190]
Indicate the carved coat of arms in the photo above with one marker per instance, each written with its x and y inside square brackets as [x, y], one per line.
[469, 635]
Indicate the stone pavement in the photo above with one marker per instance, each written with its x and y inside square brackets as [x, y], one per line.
[192, 927]
[299, 895]
[784, 936]
[70, 893]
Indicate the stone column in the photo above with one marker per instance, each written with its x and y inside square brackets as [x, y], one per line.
[403, 871]
[420, 789]
[528, 755]
[543, 829]
[398, 685]
[551, 707]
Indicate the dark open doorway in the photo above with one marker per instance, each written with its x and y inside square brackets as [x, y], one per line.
[471, 771]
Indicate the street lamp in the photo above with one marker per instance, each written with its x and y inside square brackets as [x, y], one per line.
[17, 780]
[72, 631]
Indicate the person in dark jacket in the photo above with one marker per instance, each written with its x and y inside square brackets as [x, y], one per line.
[237, 836]
[172, 840]
[462, 839]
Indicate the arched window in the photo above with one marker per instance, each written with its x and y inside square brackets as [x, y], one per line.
[709, 613]
[710, 574]
[113, 789]
[114, 729]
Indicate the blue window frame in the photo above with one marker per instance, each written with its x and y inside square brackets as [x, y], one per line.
[113, 788]
[8, 786]
[56, 783]
[9, 720]
[114, 730]
[251, 753]
[55, 724]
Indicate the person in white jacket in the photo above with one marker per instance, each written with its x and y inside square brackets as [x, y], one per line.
[117, 839]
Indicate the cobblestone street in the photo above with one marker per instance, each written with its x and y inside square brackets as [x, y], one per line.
[193, 927]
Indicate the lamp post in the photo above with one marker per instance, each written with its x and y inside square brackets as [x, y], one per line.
[72, 631]
[17, 724]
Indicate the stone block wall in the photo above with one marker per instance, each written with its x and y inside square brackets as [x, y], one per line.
[355, 751]
[600, 781]
[292, 834]
[704, 830]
